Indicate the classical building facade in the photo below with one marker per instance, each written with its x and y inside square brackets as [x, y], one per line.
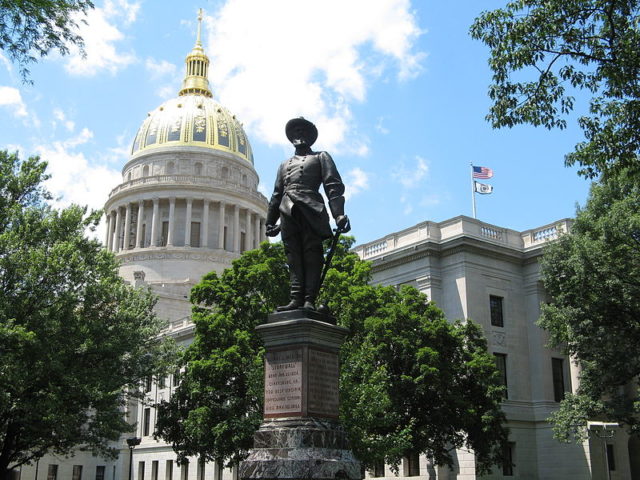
[473, 270]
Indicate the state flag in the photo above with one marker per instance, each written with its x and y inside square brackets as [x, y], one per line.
[483, 188]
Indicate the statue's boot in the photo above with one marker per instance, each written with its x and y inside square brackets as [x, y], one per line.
[313, 263]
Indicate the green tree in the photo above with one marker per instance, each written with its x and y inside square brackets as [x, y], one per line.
[31, 29]
[593, 275]
[543, 51]
[73, 335]
[434, 384]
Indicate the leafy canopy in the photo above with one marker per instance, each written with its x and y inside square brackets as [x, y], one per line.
[73, 335]
[32, 28]
[593, 276]
[541, 51]
[435, 387]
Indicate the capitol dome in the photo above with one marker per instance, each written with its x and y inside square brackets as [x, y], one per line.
[192, 120]
[188, 202]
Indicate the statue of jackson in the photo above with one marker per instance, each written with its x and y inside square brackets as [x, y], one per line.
[304, 221]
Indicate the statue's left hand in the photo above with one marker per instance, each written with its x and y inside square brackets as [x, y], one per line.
[342, 222]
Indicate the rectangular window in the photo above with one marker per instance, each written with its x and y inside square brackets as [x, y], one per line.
[162, 382]
[100, 470]
[52, 472]
[148, 383]
[168, 474]
[143, 235]
[184, 471]
[201, 469]
[176, 378]
[243, 239]
[154, 470]
[140, 471]
[146, 422]
[77, 472]
[557, 370]
[217, 472]
[165, 234]
[501, 365]
[378, 468]
[195, 234]
[412, 465]
[15, 474]
[611, 459]
[495, 305]
[507, 460]
[224, 239]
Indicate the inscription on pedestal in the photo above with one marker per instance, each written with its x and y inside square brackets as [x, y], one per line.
[283, 383]
[323, 383]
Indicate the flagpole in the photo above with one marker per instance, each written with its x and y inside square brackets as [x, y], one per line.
[473, 191]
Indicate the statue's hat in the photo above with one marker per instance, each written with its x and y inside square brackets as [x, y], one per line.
[309, 130]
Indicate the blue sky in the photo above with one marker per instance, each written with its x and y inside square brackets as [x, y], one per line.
[396, 88]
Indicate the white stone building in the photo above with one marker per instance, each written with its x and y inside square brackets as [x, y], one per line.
[189, 204]
[473, 270]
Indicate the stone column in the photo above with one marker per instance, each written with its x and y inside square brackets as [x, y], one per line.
[301, 436]
[204, 228]
[109, 238]
[221, 228]
[248, 238]
[256, 231]
[127, 227]
[154, 222]
[139, 239]
[236, 228]
[263, 235]
[172, 220]
[116, 234]
[187, 226]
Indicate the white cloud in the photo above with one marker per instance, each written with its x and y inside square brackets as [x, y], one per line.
[381, 128]
[410, 177]
[73, 178]
[308, 60]
[5, 61]
[61, 117]
[356, 181]
[160, 70]
[10, 97]
[101, 34]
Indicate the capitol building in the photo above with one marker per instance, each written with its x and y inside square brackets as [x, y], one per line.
[189, 204]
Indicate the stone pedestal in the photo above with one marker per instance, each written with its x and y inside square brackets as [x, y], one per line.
[301, 436]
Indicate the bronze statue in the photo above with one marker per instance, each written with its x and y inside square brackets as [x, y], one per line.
[304, 222]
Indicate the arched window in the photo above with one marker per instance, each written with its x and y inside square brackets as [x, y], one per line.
[225, 173]
[145, 171]
[171, 168]
[198, 168]
[129, 176]
[244, 179]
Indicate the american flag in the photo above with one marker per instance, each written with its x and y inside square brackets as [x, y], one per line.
[482, 172]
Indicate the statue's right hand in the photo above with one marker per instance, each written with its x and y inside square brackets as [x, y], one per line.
[272, 230]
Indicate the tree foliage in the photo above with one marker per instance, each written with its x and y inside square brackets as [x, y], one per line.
[73, 335]
[542, 51]
[410, 381]
[593, 276]
[31, 29]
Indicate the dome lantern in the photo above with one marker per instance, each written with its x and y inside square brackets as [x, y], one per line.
[196, 78]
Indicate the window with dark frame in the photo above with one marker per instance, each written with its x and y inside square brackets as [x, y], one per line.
[140, 471]
[495, 307]
[184, 471]
[164, 237]
[52, 472]
[195, 234]
[100, 471]
[148, 383]
[501, 365]
[168, 475]
[176, 378]
[77, 472]
[412, 465]
[243, 239]
[557, 372]
[611, 459]
[154, 470]
[162, 382]
[146, 422]
[507, 460]
[378, 469]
